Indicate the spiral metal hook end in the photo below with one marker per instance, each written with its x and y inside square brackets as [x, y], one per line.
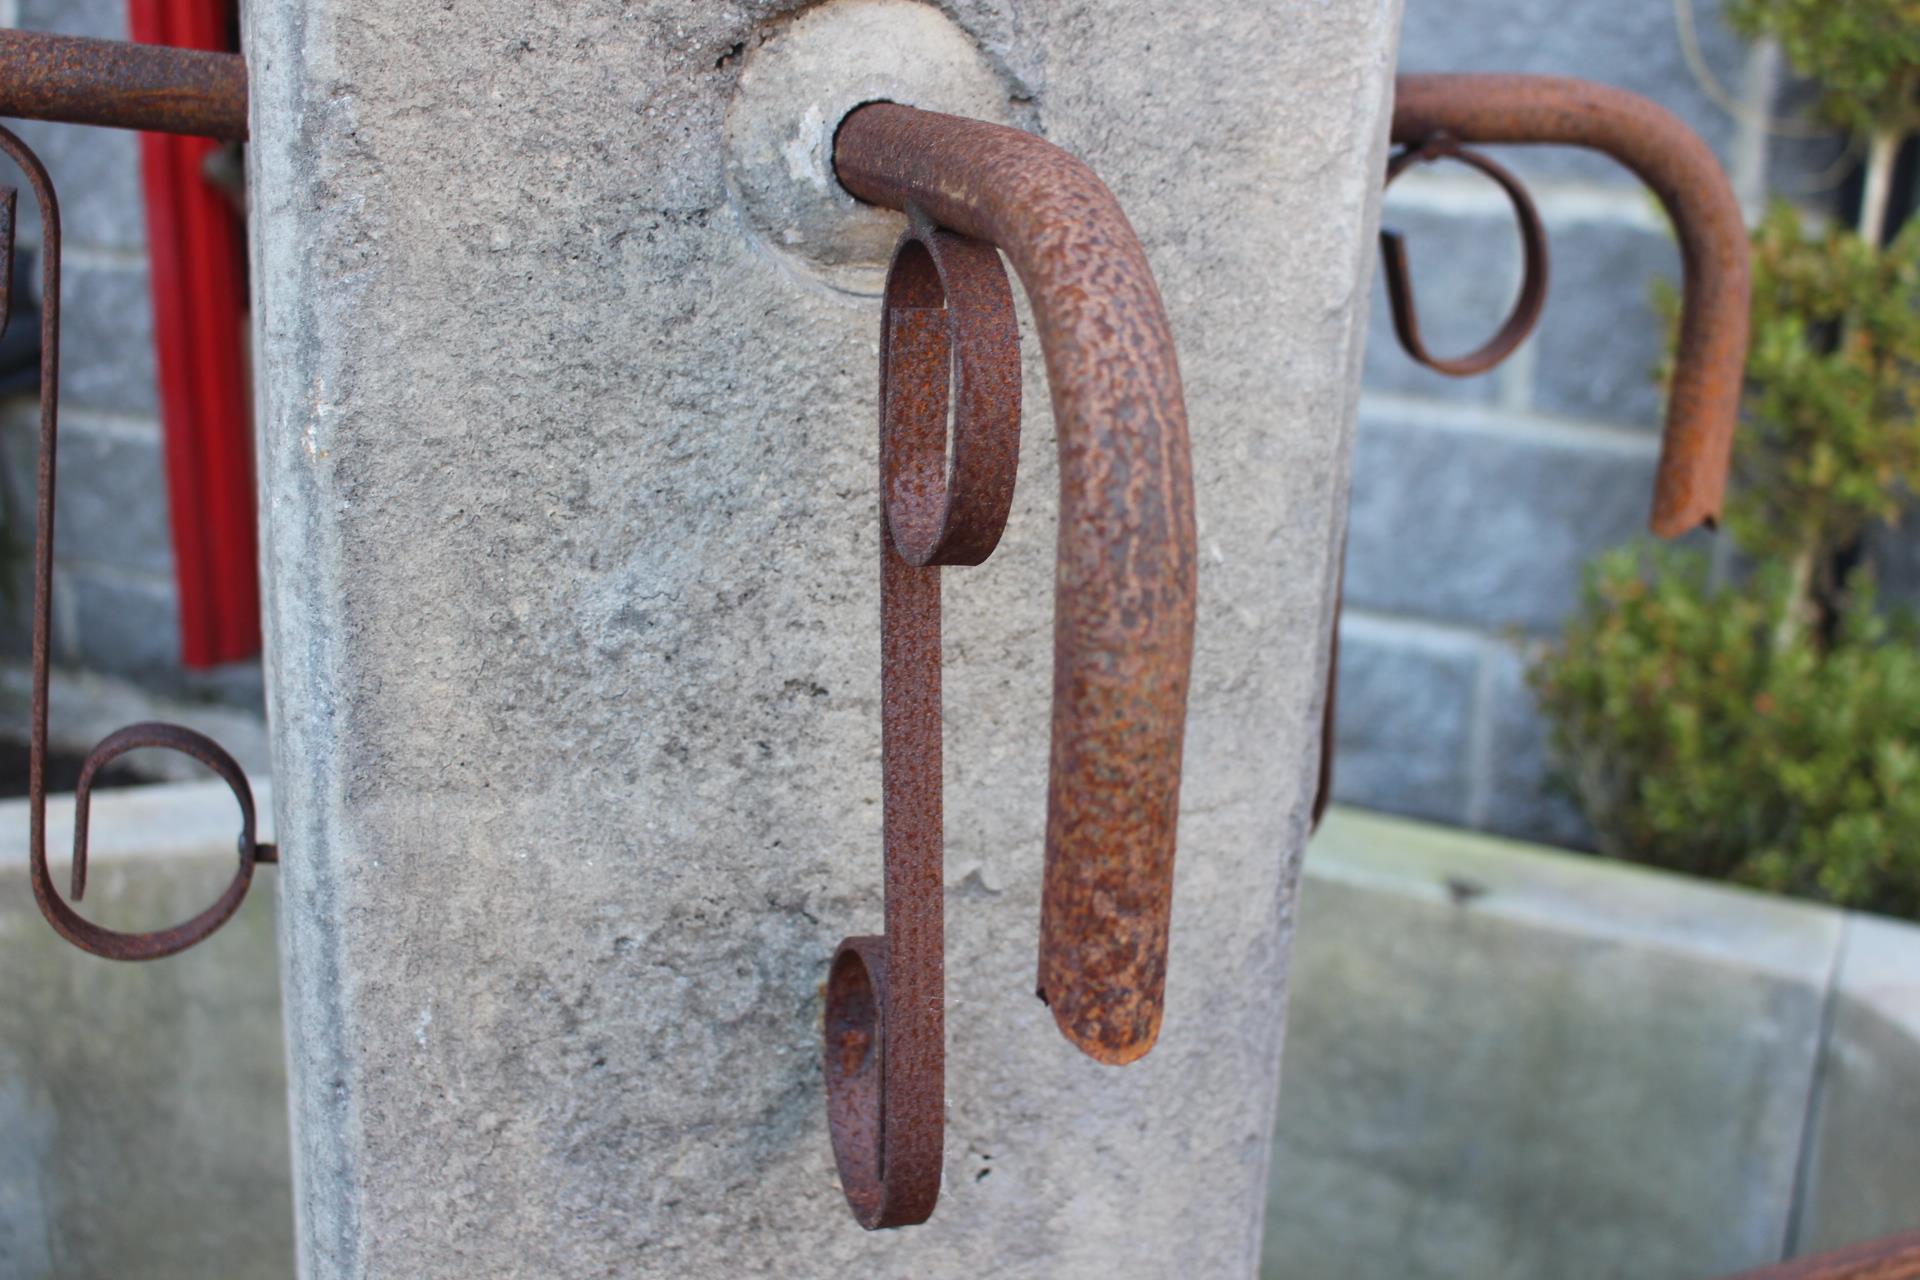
[1528, 304]
[68, 923]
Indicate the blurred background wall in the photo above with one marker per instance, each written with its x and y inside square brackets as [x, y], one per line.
[1475, 504]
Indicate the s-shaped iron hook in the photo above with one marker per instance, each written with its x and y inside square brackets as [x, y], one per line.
[1123, 608]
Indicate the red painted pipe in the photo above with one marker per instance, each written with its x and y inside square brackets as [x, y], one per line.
[197, 248]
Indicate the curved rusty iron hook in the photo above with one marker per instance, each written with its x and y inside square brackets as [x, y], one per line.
[1125, 587]
[1527, 305]
[1704, 400]
[1123, 611]
[70, 924]
[1709, 372]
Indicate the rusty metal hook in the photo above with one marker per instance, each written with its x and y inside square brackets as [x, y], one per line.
[1703, 401]
[1527, 305]
[88, 936]
[101, 81]
[1123, 611]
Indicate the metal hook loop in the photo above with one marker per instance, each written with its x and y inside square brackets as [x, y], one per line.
[1434, 114]
[1533, 284]
[1126, 557]
[948, 332]
[83, 933]
[111, 943]
[1124, 603]
[1703, 401]
[948, 305]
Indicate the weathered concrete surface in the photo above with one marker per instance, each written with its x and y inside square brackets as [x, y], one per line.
[142, 1106]
[1863, 1178]
[570, 532]
[1505, 1064]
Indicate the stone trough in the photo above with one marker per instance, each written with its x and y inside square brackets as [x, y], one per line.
[1501, 1061]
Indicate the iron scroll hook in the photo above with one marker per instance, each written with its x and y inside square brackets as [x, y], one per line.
[70, 924]
[1527, 306]
[947, 306]
[1709, 369]
[1703, 403]
[1123, 612]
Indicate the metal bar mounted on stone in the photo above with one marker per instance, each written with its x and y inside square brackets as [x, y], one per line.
[122, 85]
[1435, 115]
[1704, 399]
[130, 86]
[1123, 611]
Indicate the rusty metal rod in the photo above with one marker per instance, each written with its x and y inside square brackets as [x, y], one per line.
[68, 923]
[1891, 1258]
[123, 85]
[1671, 159]
[1435, 114]
[1125, 583]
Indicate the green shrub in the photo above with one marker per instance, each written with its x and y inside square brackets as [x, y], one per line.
[1831, 442]
[1865, 53]
[1694, 739]
[1768, 731]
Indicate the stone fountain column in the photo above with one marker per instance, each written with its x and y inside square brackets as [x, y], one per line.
[566, 377]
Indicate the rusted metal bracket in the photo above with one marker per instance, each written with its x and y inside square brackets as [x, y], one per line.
[105, 82]
[1437, 116]
[1123, 610]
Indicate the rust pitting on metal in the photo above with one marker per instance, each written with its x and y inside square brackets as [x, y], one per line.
[1124, 608]
[123, 85]
[70, 924]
